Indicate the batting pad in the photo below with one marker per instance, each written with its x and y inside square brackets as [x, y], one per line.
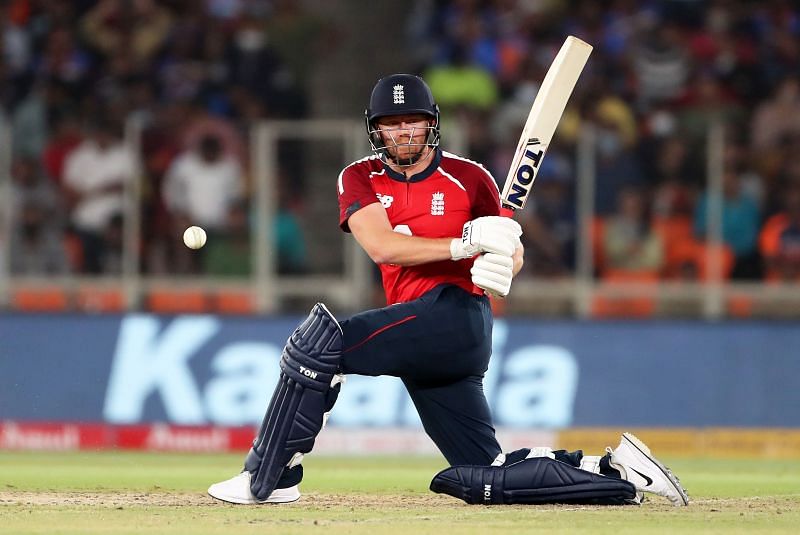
[532, 481]
[306, 390]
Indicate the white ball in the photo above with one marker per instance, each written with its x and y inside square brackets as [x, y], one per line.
[194, 237]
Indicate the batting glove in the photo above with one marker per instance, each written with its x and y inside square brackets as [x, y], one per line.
[493, 273]
[489, 234]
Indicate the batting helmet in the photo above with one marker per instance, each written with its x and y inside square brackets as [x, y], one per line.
[400, 94]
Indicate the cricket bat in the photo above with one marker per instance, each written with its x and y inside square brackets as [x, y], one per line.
[548, 106]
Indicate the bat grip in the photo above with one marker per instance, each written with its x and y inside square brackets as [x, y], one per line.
[506, 211]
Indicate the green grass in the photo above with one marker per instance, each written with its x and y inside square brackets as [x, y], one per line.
[114, 493]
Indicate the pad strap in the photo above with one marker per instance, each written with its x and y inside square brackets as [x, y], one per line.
[591, 463]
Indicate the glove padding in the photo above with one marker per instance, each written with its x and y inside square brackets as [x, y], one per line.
[488, 234]
[493, 273]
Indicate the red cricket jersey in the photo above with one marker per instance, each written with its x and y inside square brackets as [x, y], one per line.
[434, 203]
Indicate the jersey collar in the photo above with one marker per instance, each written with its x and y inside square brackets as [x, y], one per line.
[422, 175]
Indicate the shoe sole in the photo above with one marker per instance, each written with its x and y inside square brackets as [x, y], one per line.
[287, 495]
[644, 450]
[278, 496]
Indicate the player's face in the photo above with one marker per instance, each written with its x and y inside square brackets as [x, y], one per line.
[404, 135]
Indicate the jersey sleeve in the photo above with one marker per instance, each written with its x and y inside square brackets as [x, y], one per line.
[487, 196]
[355, 192]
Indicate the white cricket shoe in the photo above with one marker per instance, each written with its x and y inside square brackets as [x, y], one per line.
[637, 465]
[237, 490]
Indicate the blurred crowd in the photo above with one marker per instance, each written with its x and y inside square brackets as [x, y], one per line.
[661, 73]
[190, 76]
[182, 80]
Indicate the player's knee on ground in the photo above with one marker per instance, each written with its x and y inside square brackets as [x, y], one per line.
[522, 479]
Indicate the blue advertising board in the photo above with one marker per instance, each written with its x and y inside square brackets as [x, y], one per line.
[198, 370]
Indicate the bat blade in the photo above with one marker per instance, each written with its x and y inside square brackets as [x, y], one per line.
[545, 114]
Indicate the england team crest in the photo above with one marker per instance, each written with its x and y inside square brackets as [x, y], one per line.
[437, 203]
[398, 94]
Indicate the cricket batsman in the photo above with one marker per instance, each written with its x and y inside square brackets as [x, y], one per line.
[431, 222]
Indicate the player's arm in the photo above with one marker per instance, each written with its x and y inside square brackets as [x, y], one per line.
[373, 231]
[361, 214]
[371, 228]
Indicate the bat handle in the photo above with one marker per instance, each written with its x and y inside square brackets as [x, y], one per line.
[506, 211]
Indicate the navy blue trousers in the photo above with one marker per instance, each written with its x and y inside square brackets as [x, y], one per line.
[439, 345]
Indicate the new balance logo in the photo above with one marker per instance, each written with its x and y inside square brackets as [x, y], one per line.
[386, 200]
[399, 94]
[437, 203]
